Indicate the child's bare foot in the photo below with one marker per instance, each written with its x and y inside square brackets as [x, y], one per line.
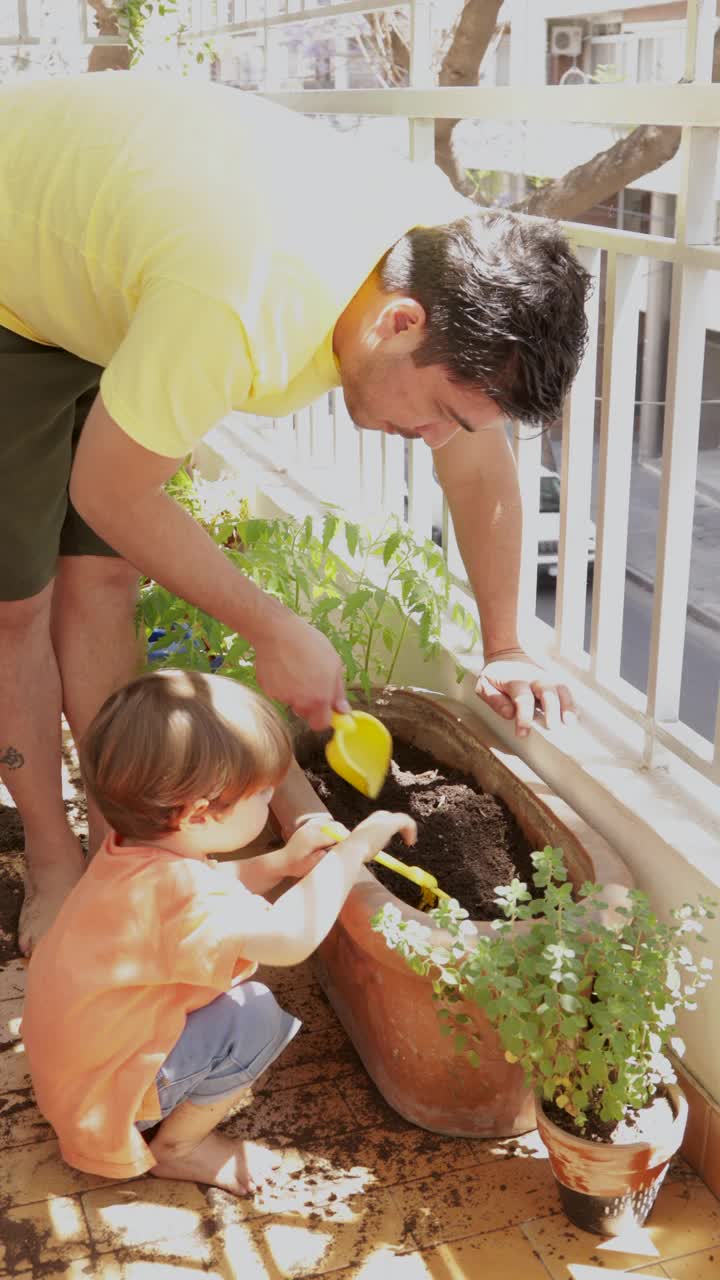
[239, 1167]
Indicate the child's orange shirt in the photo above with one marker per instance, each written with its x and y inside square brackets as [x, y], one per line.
[144, 938]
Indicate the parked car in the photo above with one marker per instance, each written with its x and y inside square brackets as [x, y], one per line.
[549, 530]
[549, 525]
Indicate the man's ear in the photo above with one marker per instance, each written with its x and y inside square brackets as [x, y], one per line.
[194, 814]
[402, 319]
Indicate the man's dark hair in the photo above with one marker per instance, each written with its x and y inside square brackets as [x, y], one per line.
[505, 299]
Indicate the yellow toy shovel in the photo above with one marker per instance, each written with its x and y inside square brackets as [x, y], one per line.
[428, 883]
[360, 751]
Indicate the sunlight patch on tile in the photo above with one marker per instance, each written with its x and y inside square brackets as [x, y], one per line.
[143, 1211]
[686, 1219]
[37, 1235]
[332, 1237]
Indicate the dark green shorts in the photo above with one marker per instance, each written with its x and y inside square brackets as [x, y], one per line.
[45, 397]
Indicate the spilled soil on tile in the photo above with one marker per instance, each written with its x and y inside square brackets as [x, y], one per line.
[11, 894]
[469, 840]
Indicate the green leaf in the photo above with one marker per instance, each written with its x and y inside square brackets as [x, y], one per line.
[391, 546]
[355, 601]
[352, 537]
[330, 525]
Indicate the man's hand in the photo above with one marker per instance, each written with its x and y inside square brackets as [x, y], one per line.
[297, 665]
[307, 846]
[512, 685]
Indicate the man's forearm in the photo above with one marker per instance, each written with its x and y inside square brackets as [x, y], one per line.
[489, 542]
[486, 510]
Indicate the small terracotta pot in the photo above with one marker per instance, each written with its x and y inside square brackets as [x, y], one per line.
[607, 1187]
[388, 1010]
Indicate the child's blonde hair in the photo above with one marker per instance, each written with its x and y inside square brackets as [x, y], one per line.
[172, 737]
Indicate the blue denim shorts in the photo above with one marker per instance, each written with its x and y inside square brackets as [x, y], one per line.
[224, 1048]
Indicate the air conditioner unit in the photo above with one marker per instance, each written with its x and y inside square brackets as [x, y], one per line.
[566, 40]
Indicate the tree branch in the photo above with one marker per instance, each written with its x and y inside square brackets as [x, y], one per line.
[642, 151]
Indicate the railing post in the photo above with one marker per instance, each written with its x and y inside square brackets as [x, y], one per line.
[695, 224]
[617, 418]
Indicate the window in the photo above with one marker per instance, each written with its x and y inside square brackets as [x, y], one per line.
[661, 58]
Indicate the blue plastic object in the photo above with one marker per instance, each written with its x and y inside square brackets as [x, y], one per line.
[179, 645]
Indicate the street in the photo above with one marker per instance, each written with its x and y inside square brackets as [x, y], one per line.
[701, 665]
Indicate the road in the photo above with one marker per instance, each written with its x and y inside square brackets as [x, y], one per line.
[701, 665]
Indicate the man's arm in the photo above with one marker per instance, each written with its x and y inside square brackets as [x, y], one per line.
[479, 478]
[117, 487]
[477, 473]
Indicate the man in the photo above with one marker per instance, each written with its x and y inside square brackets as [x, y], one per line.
[189, 250]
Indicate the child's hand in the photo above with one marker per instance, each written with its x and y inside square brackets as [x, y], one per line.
[378, 830]
[308, 846]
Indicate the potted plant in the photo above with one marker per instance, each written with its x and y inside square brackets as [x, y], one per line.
[387, 1006]
[585, 1003]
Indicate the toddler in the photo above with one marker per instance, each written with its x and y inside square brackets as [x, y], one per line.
[139, 1005]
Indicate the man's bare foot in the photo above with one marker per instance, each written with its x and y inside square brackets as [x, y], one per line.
[45, 891]
[238, 1167]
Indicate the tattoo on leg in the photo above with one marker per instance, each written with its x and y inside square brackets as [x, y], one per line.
[12, 758]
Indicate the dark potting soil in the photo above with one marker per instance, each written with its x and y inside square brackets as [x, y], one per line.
[469, 840]
[604, 1131]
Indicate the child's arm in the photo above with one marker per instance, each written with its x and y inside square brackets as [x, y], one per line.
[290, 930]
[302, 852]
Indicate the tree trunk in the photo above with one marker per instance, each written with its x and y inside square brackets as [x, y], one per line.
[642, 151]
[107, 57]
[461, 66]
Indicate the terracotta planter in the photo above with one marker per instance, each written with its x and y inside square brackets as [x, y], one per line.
[388, 1010]
[607, 1187]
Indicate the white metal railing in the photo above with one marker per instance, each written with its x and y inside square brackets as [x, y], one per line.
[324, 431]
[621, 255]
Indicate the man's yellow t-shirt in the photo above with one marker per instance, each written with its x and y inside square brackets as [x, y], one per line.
[197, 242]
